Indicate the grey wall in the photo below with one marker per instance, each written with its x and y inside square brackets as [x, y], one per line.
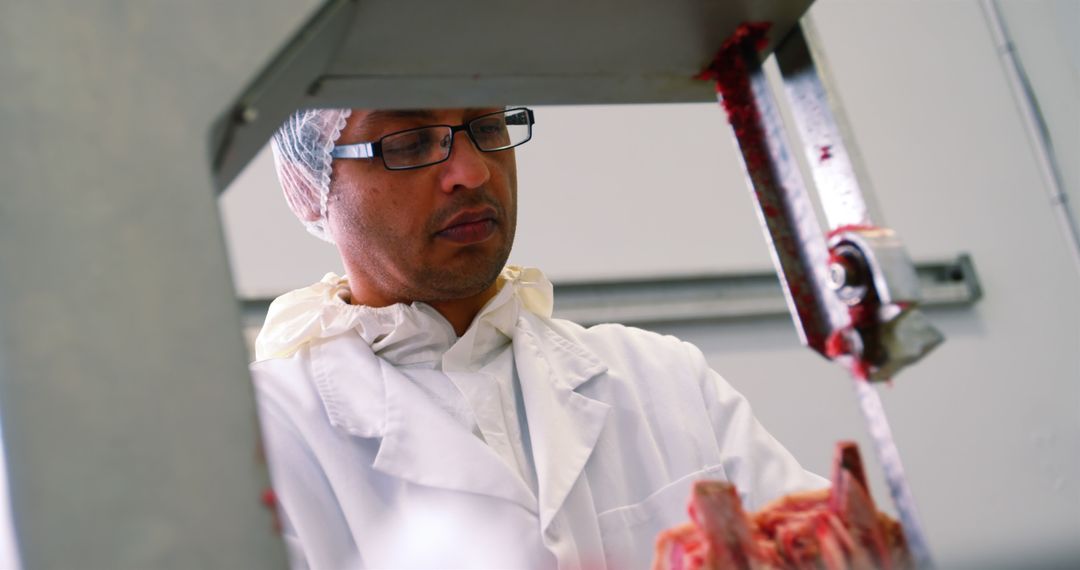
[989, 425]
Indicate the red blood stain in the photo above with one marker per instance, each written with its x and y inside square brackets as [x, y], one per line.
[864, 319]
[826, 153]
[836, 345]
[833, 258]
[770, 211]
[729, 70]
[850, 228]
[787, 243]
[269, 500]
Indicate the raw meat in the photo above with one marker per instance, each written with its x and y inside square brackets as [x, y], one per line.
[834, 529]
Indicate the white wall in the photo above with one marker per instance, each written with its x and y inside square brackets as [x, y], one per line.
[989, 425]
[1046, 35]
[636, 190]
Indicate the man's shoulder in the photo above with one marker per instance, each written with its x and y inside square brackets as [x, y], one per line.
[303, 362]
[613, 333]
[276, 368]
[613, 340]
[284, 379]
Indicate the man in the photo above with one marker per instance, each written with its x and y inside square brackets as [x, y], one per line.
[427, 411]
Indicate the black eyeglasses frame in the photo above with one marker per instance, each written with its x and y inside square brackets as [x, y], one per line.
[371, 150]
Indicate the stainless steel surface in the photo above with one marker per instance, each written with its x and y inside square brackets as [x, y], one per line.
[730, 297]
[422, 53]
[277, 90]
[834, 165]
[907, 336]
[128, 417]
[849, 275]
[900, 334]
[797, 246]
[890, 268]
[421, 38]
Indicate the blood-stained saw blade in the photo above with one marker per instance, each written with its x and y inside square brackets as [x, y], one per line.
[797, 244]
[850, 330]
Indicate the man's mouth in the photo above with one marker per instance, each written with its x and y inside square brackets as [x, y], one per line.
[470, 226]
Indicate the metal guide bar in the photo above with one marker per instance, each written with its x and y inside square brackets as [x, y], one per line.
[395, 54]
[833, 169]
[730, 297]
[276, 91]
[794, 236]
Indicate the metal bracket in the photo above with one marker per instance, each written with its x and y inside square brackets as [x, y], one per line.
[871, 272]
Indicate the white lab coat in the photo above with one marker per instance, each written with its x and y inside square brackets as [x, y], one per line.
[369, 472]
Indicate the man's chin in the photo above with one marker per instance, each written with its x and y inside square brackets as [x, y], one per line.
[464, 282]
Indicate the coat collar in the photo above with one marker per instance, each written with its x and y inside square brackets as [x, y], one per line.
[563, 424]
[322, 311]
[367, 397]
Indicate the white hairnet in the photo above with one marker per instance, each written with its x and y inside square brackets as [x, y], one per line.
[302, 156]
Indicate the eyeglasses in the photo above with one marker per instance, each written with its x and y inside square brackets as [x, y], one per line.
[424, 146]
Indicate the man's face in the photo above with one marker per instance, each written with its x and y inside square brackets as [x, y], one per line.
[437, 233]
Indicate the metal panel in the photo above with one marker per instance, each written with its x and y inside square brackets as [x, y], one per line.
[128, 415]
[277, 91]
[825, 132]
[420, 38]
[424, 53]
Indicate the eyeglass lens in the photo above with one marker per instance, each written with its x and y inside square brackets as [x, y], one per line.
[429, 145]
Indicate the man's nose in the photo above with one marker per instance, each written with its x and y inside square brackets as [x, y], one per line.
[466, 168]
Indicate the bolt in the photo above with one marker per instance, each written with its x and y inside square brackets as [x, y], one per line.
[839, 275]
[848, 274]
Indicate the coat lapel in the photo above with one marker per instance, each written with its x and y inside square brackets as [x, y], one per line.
[564, 425]
[421, 443]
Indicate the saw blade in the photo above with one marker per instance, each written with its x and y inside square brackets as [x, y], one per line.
[889, 457]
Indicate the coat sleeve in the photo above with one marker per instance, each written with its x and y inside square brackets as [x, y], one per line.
[759, 466]
[312, 524]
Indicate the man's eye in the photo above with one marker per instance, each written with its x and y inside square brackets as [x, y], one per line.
[490, 128]
[408, 143]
